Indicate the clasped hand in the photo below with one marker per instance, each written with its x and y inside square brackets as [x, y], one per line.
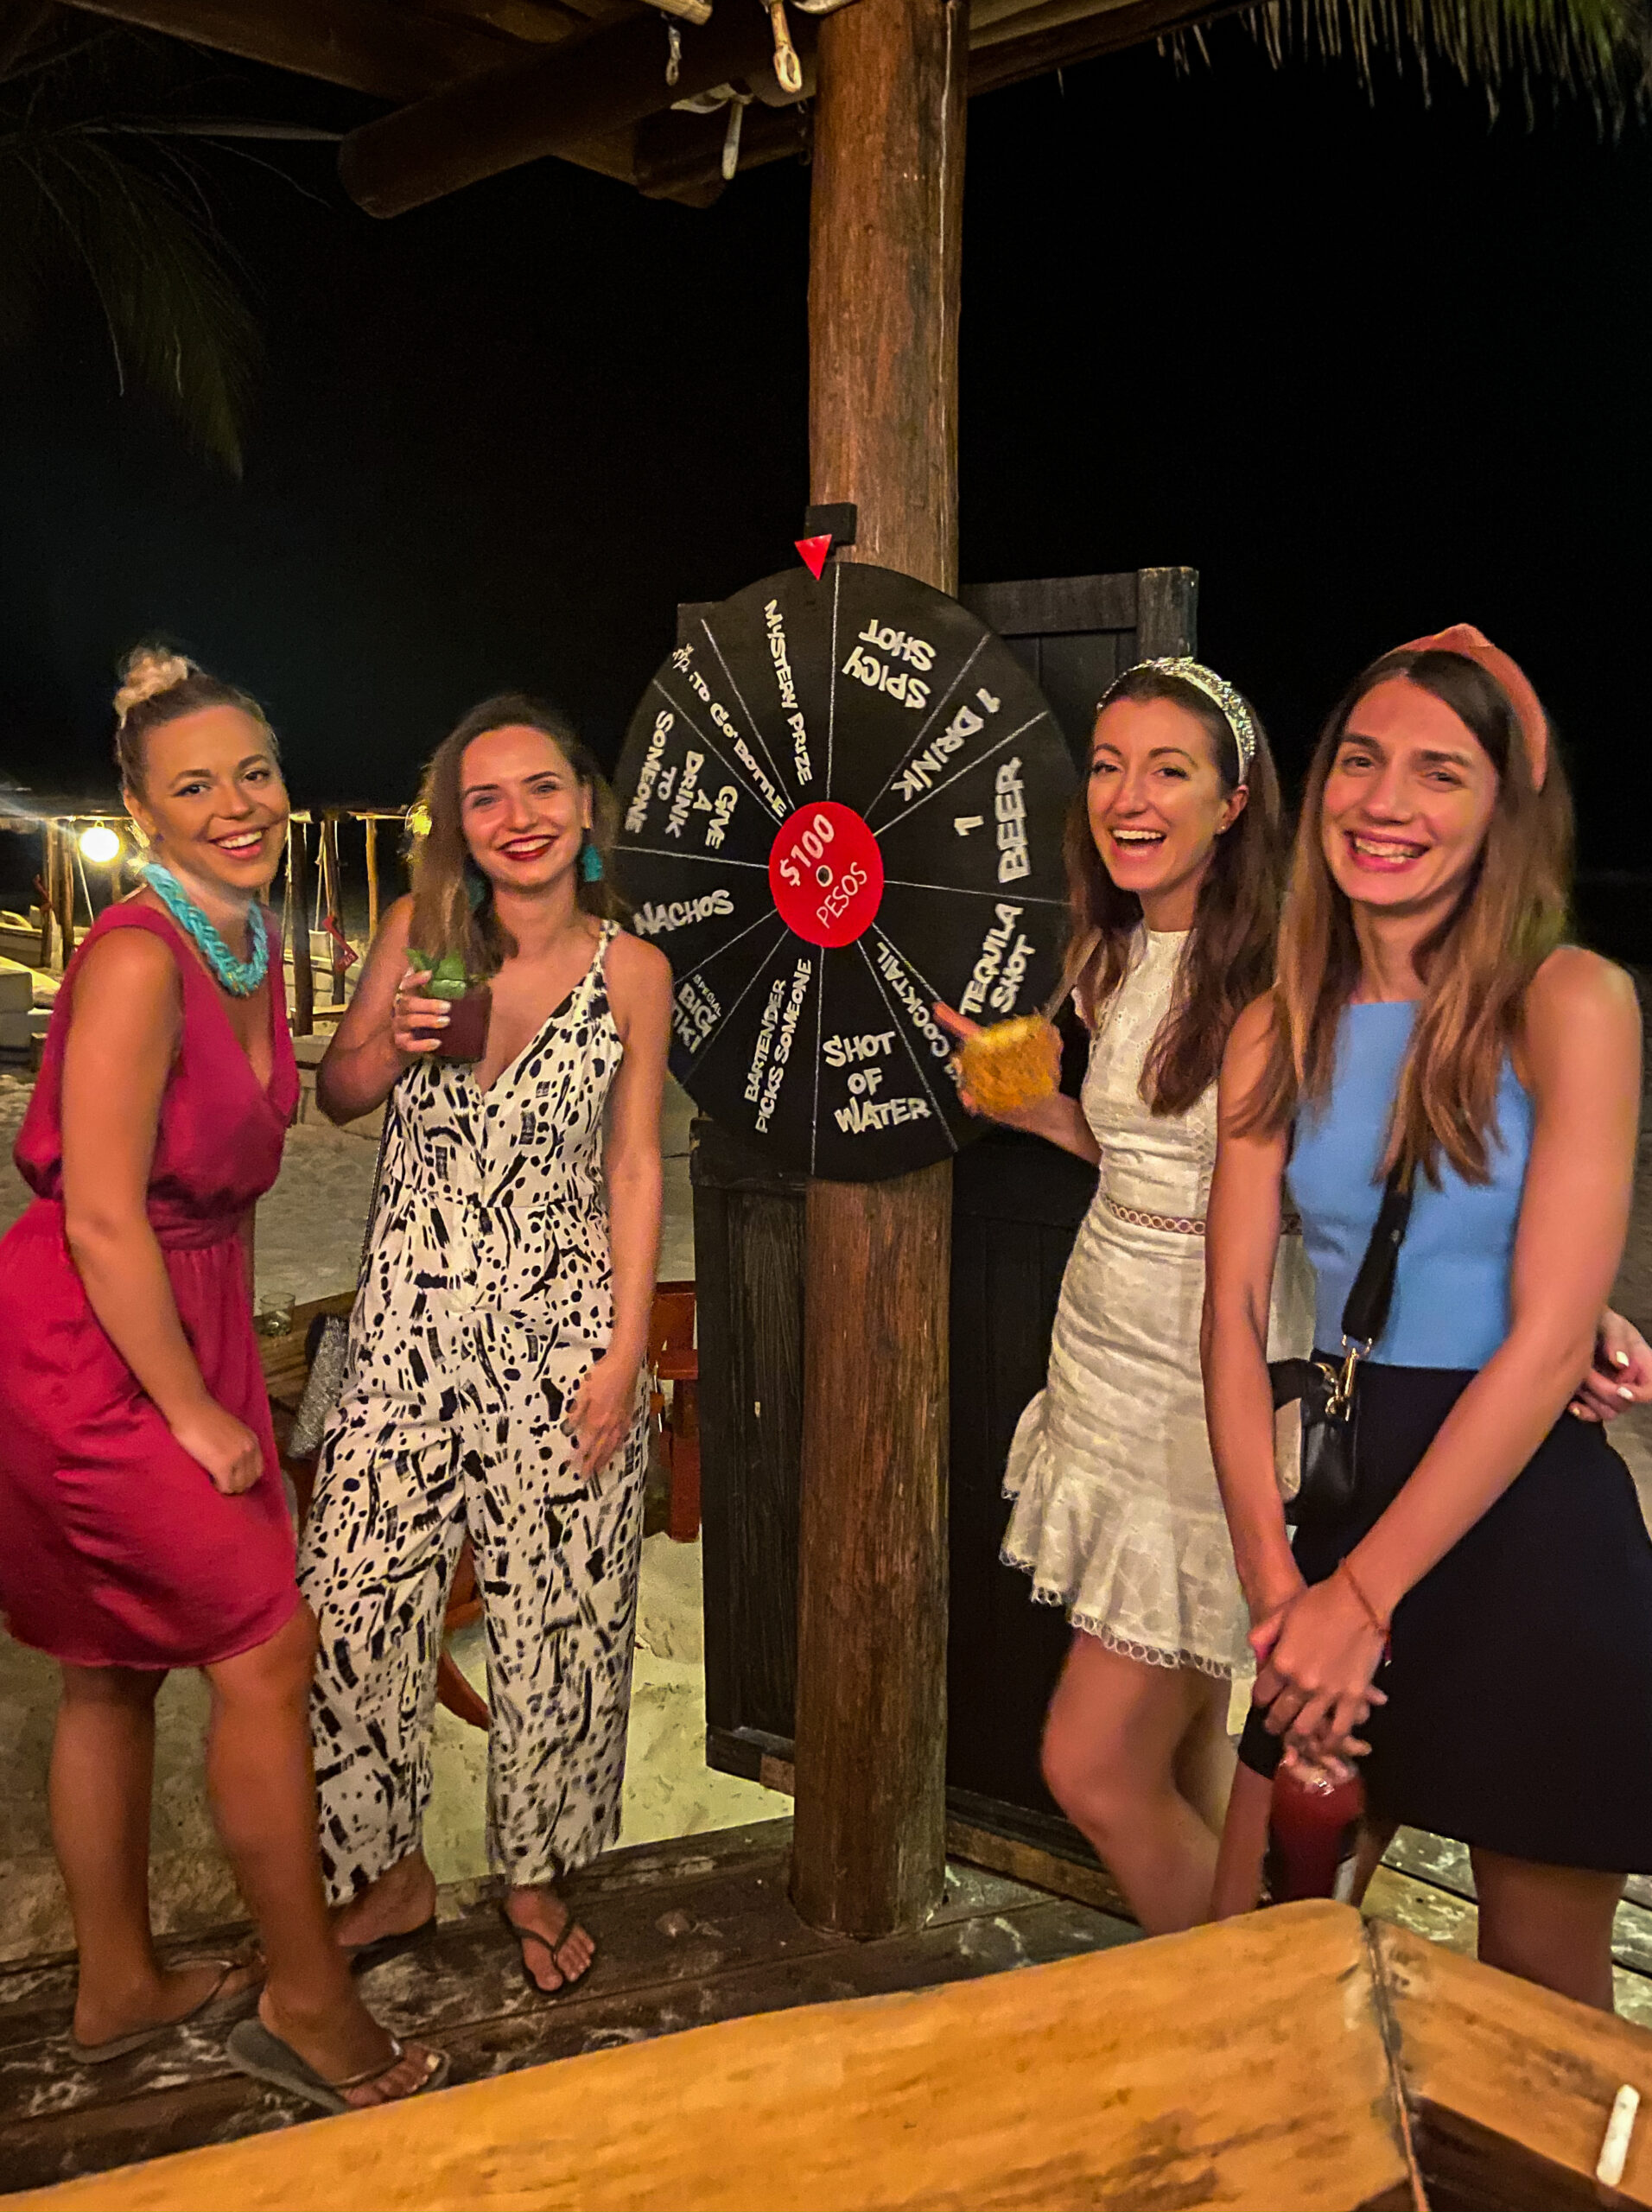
[1317, 1657]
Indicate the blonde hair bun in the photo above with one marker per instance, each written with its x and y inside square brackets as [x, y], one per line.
[146, 673]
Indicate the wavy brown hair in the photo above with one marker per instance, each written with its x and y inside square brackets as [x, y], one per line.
[452, 901]
[1229, 958]
[1475, 967]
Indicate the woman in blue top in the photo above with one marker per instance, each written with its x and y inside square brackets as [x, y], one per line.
[1494, 1575]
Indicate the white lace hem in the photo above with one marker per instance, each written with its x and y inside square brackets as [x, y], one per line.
[1045, 1593]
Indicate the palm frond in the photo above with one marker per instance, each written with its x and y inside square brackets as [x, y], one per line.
[177, 321]
[1599, 50]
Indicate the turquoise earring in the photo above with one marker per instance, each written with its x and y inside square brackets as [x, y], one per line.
[590, 864]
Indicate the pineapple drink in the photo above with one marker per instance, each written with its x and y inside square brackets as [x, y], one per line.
[1010, 1065]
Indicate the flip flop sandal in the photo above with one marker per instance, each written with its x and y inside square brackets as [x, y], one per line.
[254, 2051]
[521, 1934]
[99, 2053]
[387, 1947]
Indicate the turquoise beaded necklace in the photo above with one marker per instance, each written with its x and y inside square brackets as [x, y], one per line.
[241, 977]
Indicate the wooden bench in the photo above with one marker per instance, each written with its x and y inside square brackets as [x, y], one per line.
[1295, 2061]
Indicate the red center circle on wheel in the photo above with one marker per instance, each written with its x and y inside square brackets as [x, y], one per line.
[826, 873]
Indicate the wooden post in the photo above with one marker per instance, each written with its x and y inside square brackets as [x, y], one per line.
[372, 826]
[298, 896]
[66, 892]
[869, 1847]
[47, 890]
[331, 900]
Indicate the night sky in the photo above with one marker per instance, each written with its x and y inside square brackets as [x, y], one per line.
[1371, 368]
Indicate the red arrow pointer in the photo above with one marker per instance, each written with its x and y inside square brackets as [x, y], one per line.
[813, 552]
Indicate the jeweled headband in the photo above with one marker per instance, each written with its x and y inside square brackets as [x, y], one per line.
[1216, 689]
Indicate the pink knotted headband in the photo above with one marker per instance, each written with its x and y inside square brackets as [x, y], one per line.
[1463, 637]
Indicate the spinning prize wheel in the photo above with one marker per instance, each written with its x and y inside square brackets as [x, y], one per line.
[842, 801]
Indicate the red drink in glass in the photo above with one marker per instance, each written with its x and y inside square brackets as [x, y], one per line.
[1313, 1832]
[465, 1037]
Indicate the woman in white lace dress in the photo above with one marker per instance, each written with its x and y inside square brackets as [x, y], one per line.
[1172, 852]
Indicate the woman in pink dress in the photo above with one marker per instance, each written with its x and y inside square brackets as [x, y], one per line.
[145, 1525]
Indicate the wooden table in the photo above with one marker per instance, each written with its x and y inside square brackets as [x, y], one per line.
[1295, 2061]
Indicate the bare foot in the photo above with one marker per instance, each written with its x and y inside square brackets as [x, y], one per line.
[175, 1992]
[402, 1899]
[556, 1950]
[348, 2042]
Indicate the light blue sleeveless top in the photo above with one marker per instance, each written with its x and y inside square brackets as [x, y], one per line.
[1450, 1298]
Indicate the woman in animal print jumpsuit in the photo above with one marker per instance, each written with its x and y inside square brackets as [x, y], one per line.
[496, 1350]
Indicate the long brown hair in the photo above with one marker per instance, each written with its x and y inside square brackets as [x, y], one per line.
[1475, 967]
[1229, 958]
[452, 901]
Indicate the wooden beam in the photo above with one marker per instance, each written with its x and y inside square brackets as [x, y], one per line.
[21, 22]
[371, 828]
[680, 156]
[298, 943]
[869, 1847]
[1509, 2086]
[65, 894]
[600, 81]
[47, 891]
[331, 895]
[368, 45]
[536, 22]
[1019, 46]
[1241, 2065]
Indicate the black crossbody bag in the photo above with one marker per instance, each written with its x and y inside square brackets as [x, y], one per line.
[1329, 1399]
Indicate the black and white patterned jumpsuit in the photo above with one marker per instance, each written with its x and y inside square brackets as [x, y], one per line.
[488, 1296]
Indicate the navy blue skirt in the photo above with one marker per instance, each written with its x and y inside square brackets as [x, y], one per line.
[1520, 1682]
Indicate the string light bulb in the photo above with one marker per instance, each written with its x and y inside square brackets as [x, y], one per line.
[100, 845]
[418, 819]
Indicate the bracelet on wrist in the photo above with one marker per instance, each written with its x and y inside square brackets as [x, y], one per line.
[1379, 1622]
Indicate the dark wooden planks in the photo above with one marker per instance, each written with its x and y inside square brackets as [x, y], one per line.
[600, 81]
[1045, 605]
[748, 1232]
[1017, 1204]
[370, 45]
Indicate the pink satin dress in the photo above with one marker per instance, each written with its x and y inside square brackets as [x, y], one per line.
[116, 1549]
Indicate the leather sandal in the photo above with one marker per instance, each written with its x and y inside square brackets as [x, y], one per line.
[553, 1950]
[254, 2050]
[99, 2053]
